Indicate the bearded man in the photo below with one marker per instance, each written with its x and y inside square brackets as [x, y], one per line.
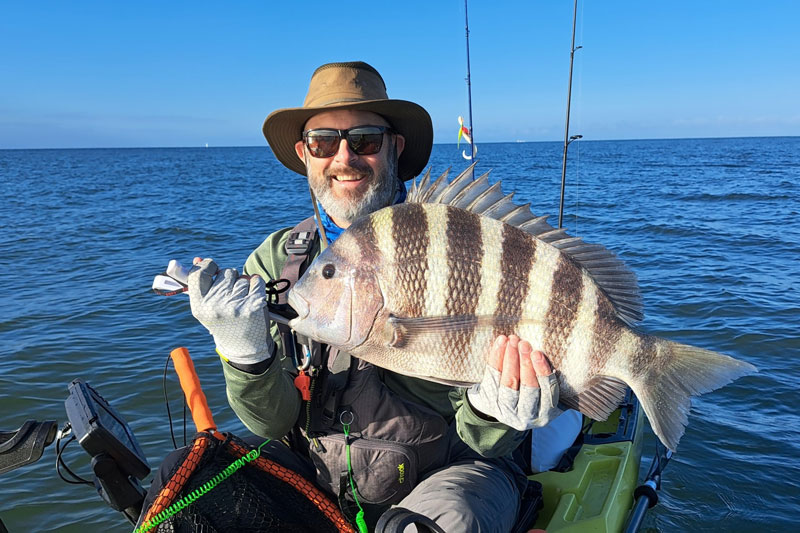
[422, 446]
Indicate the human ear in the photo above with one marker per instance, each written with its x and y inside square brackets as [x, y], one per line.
[399, 143]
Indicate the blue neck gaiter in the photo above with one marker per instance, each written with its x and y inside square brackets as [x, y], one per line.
[332, 231]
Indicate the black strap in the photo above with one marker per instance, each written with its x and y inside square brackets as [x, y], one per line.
[298, 247]
[336, 381]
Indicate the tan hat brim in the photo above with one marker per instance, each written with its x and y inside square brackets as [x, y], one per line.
[284, 127]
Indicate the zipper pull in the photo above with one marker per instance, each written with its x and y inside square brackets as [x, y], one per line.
[303, 384]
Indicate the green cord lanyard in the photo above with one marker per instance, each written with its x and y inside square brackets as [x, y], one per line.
[190, 498]
[360, 522]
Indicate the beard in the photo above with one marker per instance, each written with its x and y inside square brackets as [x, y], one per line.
[383, 186]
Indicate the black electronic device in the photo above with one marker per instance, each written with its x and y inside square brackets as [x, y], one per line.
[100, 429]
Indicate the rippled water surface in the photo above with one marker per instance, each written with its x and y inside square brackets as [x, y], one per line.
[711, 227]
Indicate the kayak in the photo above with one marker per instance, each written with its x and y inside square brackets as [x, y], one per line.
[591, 490]
[596, 492]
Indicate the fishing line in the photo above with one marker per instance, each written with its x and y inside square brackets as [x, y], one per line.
[169, 413]
[360, 521]
[579, 124]
[184, 423]
[200, 491]
[166, 402]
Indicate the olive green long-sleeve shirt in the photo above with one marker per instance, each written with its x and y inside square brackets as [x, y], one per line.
[269, 404]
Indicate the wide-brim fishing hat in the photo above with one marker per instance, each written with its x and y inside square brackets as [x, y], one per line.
[352, 85]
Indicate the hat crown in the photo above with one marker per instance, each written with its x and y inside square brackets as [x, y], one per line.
[341, 83]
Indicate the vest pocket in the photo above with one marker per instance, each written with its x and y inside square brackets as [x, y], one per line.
[384, 471]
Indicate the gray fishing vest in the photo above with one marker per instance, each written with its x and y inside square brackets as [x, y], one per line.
[393, 441]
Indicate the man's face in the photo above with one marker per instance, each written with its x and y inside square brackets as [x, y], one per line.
[349, 185]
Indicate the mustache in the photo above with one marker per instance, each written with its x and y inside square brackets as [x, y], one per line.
[349, 169]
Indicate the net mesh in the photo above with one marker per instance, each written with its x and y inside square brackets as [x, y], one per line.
[260, 496]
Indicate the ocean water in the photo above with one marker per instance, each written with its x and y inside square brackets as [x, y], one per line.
[711, 227]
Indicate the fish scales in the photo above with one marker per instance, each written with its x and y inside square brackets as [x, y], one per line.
[565, 296]
[365, 241]
[540, 283]
[438, 269]
[519, 251]
[423, 289]
[464, 259]
[409, 256]
[410, 246]
[579, 330]
[605, 333]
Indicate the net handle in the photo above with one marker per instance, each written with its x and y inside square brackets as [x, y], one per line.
[190, 383]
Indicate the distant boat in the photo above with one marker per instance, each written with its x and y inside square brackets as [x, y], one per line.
[206, 145]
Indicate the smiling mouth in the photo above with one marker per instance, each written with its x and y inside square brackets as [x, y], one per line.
[348, 178]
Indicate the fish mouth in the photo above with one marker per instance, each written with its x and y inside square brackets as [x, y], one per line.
[300, 305]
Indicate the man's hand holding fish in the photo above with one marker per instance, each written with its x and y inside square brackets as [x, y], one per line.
[518, 388]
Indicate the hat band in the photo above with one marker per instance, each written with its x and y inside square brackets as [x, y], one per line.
[327, 103]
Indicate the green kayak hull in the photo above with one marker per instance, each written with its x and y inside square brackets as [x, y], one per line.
[596, 494]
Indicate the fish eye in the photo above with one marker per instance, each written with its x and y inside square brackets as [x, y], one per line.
[328, 271]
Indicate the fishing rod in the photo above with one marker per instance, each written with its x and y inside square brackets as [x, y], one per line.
[469, 86]
[646, 494]
[567, 138]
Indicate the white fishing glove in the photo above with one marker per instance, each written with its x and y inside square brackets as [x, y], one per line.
[232, 309]
[526, 408]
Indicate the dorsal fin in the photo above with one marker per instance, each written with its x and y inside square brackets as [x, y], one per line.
[480, 197]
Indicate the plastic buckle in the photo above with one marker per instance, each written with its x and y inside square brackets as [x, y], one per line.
[299, 242]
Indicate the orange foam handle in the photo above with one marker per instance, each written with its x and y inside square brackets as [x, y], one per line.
[190, 383]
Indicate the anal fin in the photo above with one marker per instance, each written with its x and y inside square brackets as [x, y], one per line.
[599, 399]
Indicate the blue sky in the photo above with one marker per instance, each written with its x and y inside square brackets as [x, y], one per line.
[113, 74]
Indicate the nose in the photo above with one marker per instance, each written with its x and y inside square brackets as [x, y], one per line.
[344, 155]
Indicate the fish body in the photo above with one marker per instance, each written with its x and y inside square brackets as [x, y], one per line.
[424, 288]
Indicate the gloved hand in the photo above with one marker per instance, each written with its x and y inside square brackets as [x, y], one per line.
[232, 308]
[518, 388]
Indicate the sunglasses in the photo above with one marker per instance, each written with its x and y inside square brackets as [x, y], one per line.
[362, 140]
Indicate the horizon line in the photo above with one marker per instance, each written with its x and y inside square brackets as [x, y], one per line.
[205, 145]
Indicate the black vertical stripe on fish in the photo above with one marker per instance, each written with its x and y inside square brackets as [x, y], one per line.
[565, 297]
[363, 233]
[607, 330]
[464, 259]
[410, 238]
[517, 259]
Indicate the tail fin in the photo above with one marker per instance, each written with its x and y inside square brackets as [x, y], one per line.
[682, 371]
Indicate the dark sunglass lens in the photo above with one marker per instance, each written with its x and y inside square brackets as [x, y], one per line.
[322, 143]
[365, 141]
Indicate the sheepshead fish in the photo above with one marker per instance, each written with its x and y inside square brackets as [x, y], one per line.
[423, 288]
